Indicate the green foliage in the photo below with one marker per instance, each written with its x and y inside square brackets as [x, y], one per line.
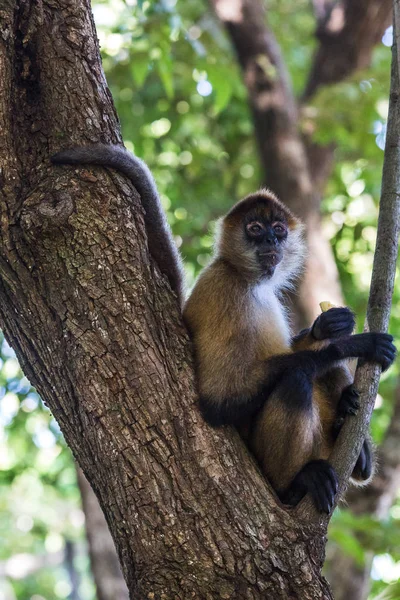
[183, 109]
[39, 498]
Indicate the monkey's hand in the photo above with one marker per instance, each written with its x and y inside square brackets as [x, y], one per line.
[373, 347]
[334, 323]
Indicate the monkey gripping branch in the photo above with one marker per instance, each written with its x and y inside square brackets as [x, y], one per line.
[99, 333]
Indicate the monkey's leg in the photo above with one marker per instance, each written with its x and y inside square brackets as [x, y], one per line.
[285, 436]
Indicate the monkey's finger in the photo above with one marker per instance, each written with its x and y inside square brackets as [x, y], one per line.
[332, 477]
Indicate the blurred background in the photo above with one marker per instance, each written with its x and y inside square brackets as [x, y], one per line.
[183, 102]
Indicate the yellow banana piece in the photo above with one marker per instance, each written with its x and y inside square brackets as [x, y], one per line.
[326, 305]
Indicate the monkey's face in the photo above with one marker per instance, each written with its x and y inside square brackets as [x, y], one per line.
[265, 234]
[262, 239]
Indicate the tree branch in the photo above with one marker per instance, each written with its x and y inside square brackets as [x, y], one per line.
[347, 35]
[348, 578]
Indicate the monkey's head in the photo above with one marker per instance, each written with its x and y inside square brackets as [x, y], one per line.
[262, 239]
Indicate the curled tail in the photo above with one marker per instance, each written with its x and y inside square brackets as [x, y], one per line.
[161, 244]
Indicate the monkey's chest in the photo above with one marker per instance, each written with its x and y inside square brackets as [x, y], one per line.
[270, 325]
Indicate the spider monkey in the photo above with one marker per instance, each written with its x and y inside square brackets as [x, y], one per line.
[287, 397]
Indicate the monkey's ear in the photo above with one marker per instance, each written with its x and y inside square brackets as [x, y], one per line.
[295, 224]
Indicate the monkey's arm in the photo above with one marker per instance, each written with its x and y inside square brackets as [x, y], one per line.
[302, 366]
[161, 244]
[332, 324]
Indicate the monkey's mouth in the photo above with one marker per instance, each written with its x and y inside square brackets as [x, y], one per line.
[269, 258]
[268, 261]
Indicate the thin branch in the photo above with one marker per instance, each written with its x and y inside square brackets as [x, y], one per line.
[347, 38]
[379, 496]
[383, 275]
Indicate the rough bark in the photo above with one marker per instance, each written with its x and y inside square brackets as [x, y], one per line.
[109, 581]
[99, 334]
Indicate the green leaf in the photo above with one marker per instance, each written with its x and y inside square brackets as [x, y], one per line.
[140, 68]
[165, 72]
[221, 81]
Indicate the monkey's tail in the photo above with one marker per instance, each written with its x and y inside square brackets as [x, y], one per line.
[161, 243]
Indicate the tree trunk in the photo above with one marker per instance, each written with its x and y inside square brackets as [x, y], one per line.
[108, 578]
[98, 332]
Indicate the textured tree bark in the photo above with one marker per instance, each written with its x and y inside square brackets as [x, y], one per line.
[98, 332]
[108, 578]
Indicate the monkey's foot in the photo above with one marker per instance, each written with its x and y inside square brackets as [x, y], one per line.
[348, 403]
[317, 478]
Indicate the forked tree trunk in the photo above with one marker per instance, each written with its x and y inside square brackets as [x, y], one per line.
[99, 334]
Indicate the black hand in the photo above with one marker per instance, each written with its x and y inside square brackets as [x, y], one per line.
[373, 347]
[380, 349]
[348, 403]
[333, 323]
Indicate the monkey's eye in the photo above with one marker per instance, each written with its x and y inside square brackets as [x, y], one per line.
[279, 228]
[255, 229]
